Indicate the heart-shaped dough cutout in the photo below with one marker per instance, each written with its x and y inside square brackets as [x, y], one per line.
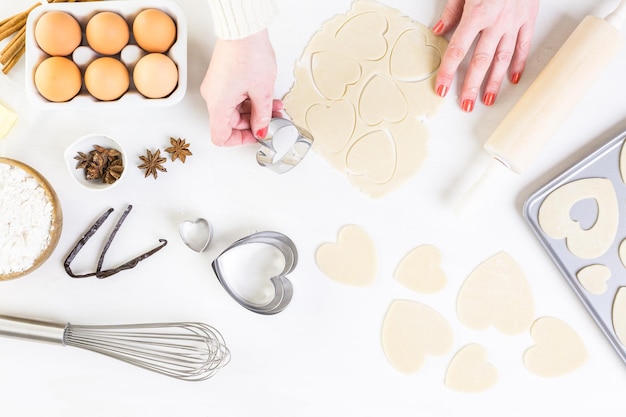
[411, 331]
[363, 36]
[622, 252]
[196, 234]
[622, 162]
[373, 155]
[382, 101]
[420, 270]
[333, 72]
[497, 293]
[352, 260]
[619, 315]
[593, 278]
[555, 218]
[558, 349]
[412, 60]
[469, 370]
[332, 126]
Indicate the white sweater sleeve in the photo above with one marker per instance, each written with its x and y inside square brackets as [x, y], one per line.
[236, 19]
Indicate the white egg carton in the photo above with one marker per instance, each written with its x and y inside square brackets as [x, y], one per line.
[83, 55]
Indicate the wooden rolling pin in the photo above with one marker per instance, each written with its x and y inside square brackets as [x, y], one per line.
[557, 90]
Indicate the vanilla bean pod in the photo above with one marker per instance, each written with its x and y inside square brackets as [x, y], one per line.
[99, 273]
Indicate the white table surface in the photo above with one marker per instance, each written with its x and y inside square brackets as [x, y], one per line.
[322, 355]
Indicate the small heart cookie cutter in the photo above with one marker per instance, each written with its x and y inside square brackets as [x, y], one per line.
[196, 234]
[283, 290]
[284, 146]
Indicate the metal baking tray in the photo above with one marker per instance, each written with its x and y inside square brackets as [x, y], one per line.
[604, 163]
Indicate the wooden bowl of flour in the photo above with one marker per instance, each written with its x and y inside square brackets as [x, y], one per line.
[30, 219]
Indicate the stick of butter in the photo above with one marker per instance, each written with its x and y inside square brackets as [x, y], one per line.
[7, 119]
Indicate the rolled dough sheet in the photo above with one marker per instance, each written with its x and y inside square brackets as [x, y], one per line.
[363, 88]
[469, 370]
[558, 349]
[411, 331]
[497, 294]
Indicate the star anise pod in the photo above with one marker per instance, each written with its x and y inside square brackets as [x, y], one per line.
[96, 167]
[83, 160]
[101, 163]
[113, 171]
[108, 152]
[152, 163]
[179, 149]
[93, 171]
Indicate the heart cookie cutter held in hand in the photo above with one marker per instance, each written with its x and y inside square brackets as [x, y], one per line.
[283, 290]
[284, 146]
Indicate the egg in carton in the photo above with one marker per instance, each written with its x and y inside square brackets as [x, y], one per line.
[105, 56]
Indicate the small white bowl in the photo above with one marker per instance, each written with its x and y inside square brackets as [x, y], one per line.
[86, 145]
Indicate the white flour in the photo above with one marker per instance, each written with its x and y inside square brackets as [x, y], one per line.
[25, 219]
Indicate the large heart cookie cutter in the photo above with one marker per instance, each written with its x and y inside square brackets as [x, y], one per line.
[283, 290]
[284, 146]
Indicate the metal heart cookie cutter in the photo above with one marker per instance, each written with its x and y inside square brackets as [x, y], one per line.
[196, 234]
[283, 290]
[284, 146]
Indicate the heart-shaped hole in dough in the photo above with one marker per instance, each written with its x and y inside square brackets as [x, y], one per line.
[585, 213]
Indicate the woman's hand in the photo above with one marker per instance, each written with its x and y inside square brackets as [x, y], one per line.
[239, 88]
[502, 31]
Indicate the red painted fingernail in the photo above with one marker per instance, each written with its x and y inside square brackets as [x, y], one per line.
[468, 105]
[442, 90]
[438, 28]
[261, 133]
[515, 77]
[489, 98]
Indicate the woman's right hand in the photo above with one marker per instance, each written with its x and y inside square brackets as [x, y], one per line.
[239, 88]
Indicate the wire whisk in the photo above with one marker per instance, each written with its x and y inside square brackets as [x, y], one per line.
[189, 351]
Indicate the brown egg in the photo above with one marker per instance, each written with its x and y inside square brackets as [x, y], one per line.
[154, 30]
[107, 79]
[155, 75]
[107, 33]
[58, 79]
[57, 33]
